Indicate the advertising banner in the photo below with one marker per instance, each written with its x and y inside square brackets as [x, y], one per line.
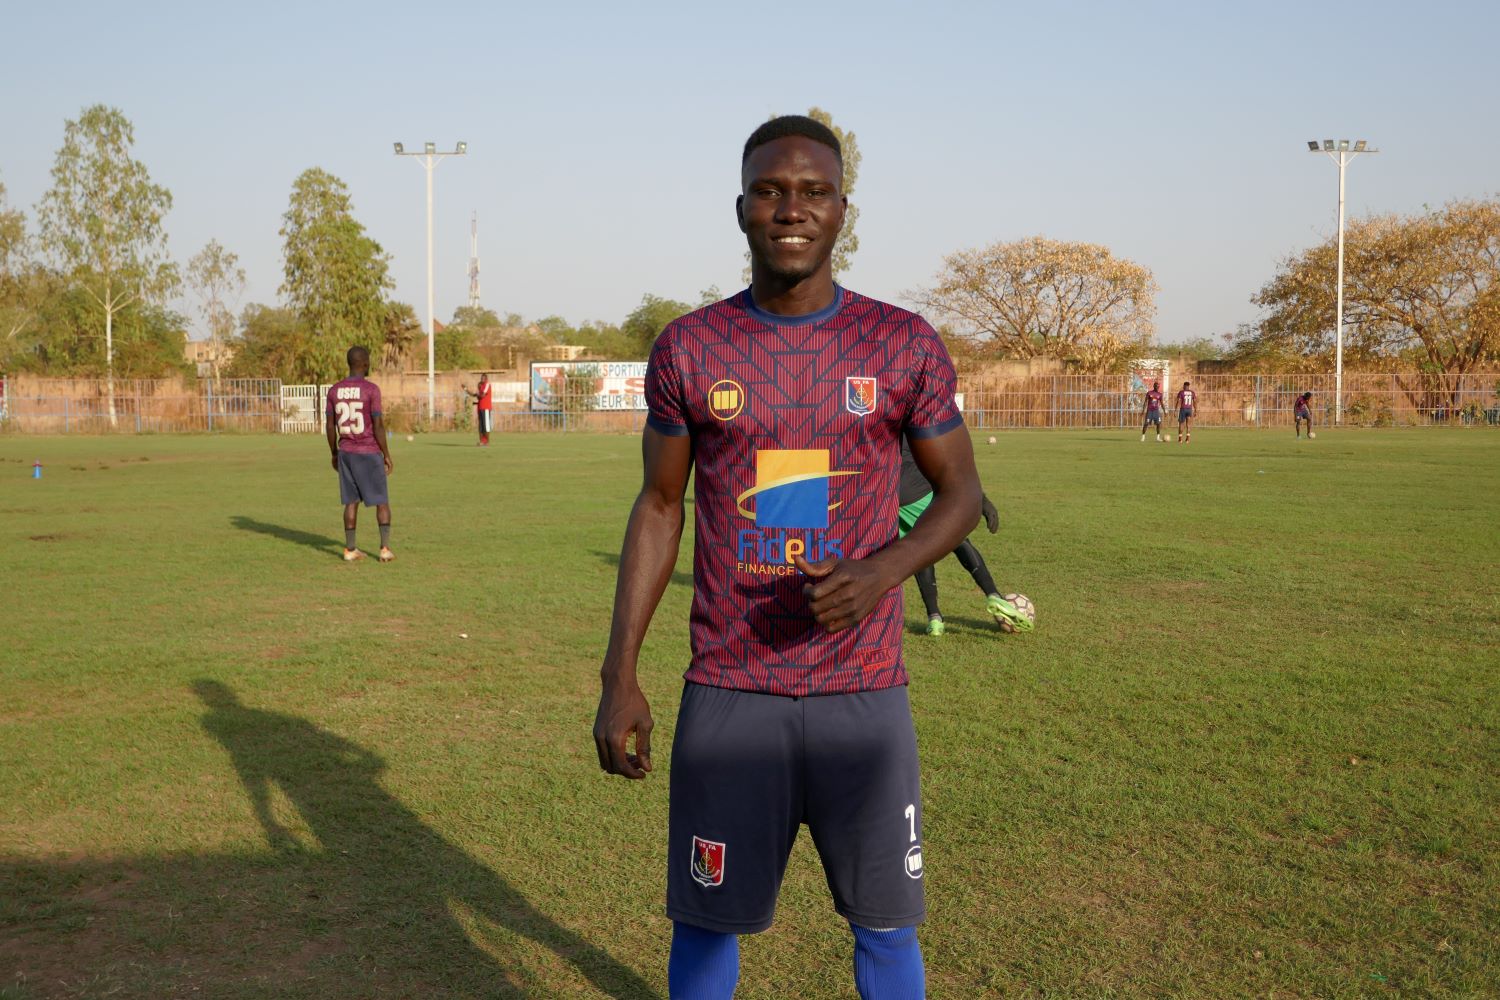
[616, 385]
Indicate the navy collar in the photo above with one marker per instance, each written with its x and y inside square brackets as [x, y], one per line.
[827, 312]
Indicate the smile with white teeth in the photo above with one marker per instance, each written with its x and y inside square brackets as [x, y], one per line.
[792, 239]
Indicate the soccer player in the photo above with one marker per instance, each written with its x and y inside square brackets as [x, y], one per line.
[483, 407]
[361, 457]
[787, 402]
[1153, 411]
[915, 496]
[1302, 411]
[1186, 402]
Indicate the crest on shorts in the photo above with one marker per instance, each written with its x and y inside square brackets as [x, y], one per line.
[859, 395]
[708, 862]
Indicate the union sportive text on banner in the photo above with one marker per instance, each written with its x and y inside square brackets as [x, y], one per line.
[618, 385]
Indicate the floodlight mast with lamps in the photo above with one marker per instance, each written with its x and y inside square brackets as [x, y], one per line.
[1341, 154]
[430, 159]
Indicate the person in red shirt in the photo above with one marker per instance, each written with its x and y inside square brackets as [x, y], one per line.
[1187, 401]
[1302, 412]
[483, 407]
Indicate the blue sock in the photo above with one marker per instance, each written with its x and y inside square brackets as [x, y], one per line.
[705, 965]
[888, 964]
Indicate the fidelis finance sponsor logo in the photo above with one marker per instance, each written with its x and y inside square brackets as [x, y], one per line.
[791, 507]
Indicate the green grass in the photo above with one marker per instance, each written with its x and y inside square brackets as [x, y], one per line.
[1251, 750]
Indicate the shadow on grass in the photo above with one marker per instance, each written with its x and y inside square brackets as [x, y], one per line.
[357, 897]
[959, 623]
[679, 578]
[322, 543]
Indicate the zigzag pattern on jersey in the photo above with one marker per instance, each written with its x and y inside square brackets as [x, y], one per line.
[753, 631]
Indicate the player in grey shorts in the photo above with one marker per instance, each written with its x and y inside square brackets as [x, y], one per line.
[361, 456]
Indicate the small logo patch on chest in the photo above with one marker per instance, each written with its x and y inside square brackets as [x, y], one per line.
[859, 395]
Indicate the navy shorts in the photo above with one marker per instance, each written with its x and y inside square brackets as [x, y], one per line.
[748, 769]
[1184, 415]
[362, 478]
[1153, 418]
[485, 421]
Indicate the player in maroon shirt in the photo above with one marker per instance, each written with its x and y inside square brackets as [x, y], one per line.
[1187, 403]
[361, 457]
[1152, 411]
[1302, 413]
[789, 400]
[483, 407]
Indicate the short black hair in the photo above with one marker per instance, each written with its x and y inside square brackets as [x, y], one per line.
[790, 125]
[358, 356]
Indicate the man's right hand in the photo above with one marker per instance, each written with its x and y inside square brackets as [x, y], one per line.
[623, 710]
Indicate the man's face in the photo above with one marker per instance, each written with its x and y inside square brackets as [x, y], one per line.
[792, 207]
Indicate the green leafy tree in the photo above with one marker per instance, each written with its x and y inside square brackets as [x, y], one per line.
[848, 242]
[102, 221]
[476, 318]
[646, 322]
[218, 280]
[403, 332]
[273, 344]
[24, 286]
[335, 276]
[453, 349]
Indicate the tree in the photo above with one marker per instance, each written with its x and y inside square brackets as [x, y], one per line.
[272, 344]
[102, 221]
[649, 319]
[476, 318]
[217, 278]
[402, 329]
[24, 283]
[847, 243]
[1425, 288]
[1046, 298]
[335, 276]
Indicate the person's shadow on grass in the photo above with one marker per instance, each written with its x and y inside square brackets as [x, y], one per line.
[322, 543]
[394, 882]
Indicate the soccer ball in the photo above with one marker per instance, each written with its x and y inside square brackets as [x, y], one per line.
[1023, 604]
[411, 437]
[1311, 435]
[992, 439]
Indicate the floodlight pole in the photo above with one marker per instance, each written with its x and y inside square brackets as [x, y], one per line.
[430, 159]
[1342, 155]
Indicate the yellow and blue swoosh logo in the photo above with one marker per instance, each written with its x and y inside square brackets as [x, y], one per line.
[791, 489]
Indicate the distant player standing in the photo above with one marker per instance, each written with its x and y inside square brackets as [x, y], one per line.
[1187, 401]
[916, 494]
[483, 407]
[1302, 412]
[1152, 413]
[789, 400]
[356, 437]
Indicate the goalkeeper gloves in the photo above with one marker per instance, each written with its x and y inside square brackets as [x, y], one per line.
[991, 515]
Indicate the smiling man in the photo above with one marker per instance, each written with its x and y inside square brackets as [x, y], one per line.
[790, 398]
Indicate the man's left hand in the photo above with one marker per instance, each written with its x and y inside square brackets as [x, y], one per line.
[841, 592]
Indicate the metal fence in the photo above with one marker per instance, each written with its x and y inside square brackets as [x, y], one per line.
[34, 405]
[1107, 401]
[93, 406]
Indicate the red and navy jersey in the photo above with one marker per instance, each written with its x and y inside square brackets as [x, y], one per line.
[796, 427]
[1185, 398]
[1153, 401]
[1302, 409]
[353, 405]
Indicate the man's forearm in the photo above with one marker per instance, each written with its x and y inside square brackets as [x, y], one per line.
[646, 562]
[946, 522]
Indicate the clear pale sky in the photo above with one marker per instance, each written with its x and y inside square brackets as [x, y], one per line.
[604, 138]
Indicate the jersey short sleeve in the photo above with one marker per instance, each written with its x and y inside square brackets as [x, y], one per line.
[373, 406]
[667, 410]
[932, 409]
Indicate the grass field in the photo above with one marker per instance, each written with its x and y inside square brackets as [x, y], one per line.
[1252, 749]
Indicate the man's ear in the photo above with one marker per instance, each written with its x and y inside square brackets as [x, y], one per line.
[739, 211]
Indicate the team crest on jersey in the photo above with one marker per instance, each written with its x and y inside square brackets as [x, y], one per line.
[859, 395]
[726, 399]
[708, 862]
